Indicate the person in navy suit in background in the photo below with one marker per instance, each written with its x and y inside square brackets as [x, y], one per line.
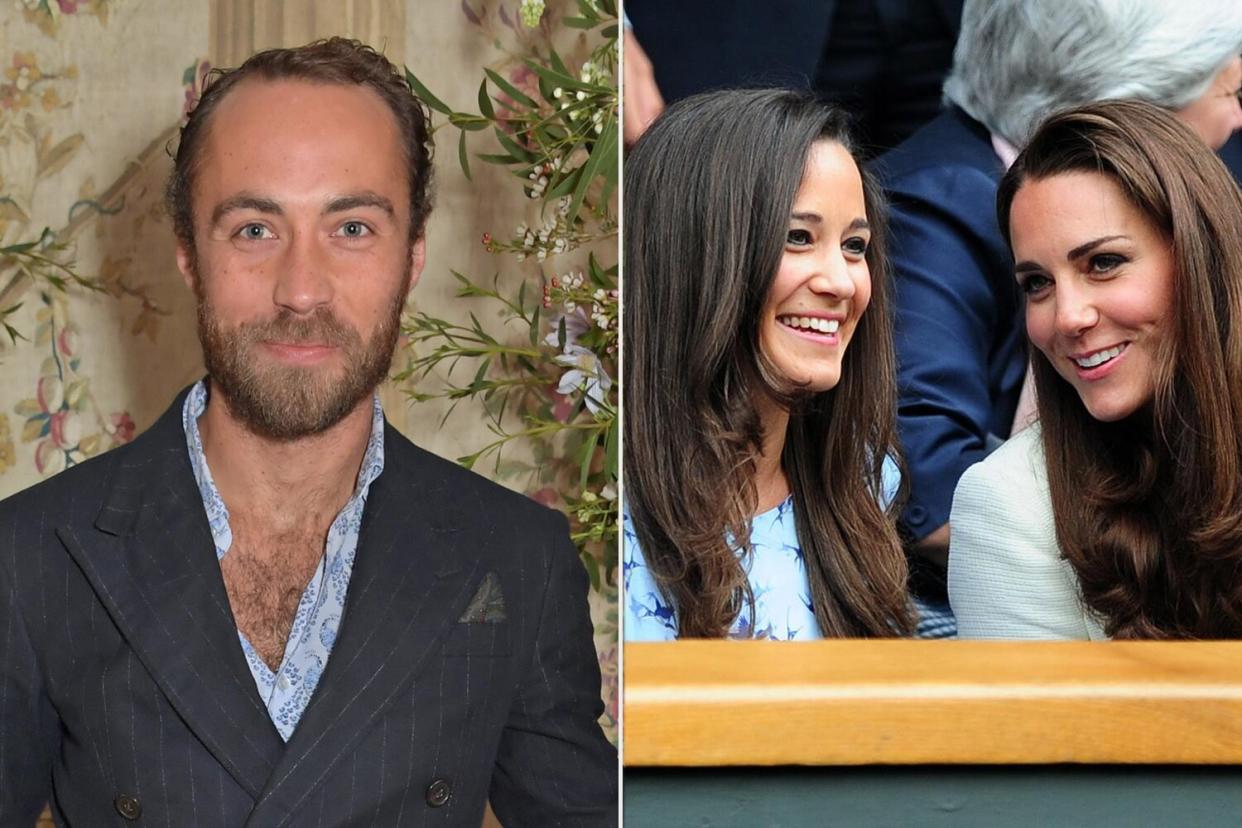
[961, 352]
[271, 608]
[881, 60]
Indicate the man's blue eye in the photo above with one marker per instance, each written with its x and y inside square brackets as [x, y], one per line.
[354, 228]
[254, 231]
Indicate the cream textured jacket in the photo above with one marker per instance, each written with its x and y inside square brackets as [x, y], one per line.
[1007, 578]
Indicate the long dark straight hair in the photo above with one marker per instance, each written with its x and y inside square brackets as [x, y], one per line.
[708, 193]
[1149, 509]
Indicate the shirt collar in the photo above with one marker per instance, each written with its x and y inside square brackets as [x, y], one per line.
[1005, 151]
[217, 512]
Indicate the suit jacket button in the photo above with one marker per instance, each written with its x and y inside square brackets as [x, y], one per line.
[438, 793]
[128, 806]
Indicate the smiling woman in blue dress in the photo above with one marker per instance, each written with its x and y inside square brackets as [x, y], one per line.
[760, 399]
[1120, 513]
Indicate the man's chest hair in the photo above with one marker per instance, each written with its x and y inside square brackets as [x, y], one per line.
[265, 574]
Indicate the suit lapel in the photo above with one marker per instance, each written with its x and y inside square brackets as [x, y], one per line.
[410, 583]
[151, 559]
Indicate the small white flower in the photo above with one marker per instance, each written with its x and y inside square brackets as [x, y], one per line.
[581, 95]
[558, 92]
[586, 374]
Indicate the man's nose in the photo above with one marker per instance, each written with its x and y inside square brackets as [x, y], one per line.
[304, 279]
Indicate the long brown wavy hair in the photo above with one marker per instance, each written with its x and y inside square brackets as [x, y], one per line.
[1149, 509]
[708, 193]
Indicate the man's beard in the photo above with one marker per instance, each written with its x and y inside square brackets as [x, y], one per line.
[286, 402]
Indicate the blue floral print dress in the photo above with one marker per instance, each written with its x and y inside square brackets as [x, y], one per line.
[778, 578]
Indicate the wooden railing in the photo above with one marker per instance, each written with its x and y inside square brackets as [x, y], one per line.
[728, 703]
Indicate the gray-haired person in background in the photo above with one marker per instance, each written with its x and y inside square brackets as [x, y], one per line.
[960, 347]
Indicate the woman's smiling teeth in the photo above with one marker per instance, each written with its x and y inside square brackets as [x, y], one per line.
[810, 323]
[1100, 357]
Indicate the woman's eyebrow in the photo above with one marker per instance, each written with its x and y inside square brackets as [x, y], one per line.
[1085, 248]
[816, 218]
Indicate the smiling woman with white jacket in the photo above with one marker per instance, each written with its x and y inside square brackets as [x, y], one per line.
[1120, 514]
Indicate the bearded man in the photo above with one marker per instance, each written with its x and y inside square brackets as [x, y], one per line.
[271, 608]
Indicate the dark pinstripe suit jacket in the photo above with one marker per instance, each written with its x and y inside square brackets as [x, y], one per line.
[124, 695]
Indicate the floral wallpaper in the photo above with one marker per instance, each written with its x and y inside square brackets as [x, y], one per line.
[71, 185]
[47, 14]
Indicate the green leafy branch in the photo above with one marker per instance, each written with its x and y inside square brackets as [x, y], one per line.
[550, 387]
[562, 145]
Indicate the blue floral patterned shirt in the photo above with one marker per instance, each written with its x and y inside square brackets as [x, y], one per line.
[778, 579]
[287, 691]
[776, 570]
